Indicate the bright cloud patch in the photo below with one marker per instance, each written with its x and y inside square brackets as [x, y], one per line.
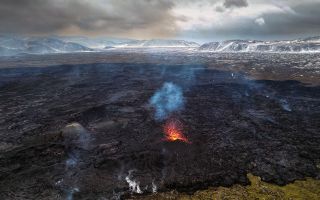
[260, 21]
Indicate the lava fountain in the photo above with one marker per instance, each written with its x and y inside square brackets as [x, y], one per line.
[173, 131]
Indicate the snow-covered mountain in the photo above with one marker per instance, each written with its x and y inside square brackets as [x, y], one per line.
[37, 45]
[95, 43]
[311, 44]
[158, 43]
[105, 42]
[312, 39]
[13, 45]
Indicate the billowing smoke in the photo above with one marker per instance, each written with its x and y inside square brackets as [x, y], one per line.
[154, 187]
[71, 192]
[72, 161]
[166, 100]
[134, 186]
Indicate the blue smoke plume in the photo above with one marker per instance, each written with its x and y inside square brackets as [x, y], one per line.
[166, 100]
[285, 105]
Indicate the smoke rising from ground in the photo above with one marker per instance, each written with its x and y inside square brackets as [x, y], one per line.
[166, 100]
[134, 186]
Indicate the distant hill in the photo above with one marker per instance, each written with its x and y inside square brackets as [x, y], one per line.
[14, 45]
[37, 45]
[95, 43]
[311, 44]
[158, 43]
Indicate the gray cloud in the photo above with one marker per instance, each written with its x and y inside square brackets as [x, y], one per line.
[297, 20]
[155, 19]
[235, 3]
[88, 17]
[303, 19]
[219, 9]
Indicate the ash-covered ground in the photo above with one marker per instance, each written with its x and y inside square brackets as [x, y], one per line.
[91, 131]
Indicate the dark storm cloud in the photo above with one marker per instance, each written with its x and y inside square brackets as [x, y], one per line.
[30, 16]
[99, 16]
[162, 18]
[235, 3]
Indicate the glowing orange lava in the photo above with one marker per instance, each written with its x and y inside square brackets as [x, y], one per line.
[173, 131]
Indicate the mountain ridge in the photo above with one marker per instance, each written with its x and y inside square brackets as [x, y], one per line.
[10, 46]
[15, 45]
[310, 44]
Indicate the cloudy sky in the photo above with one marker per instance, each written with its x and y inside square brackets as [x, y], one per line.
[198, 20]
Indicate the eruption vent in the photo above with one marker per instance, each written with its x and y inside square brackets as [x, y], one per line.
[173, 131]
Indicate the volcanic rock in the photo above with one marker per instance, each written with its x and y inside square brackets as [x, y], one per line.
[234, 118]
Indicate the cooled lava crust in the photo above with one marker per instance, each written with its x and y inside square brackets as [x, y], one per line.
[235, 124]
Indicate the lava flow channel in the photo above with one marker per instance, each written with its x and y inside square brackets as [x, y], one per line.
[173, 131]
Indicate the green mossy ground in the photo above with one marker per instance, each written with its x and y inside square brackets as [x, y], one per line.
[308, 189]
